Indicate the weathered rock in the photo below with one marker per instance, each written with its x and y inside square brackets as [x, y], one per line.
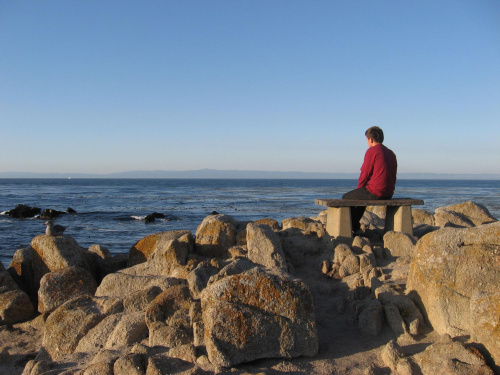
[370, 276]
[171, 254]
[215, 235]
[198, 278]
[34, 367]
[235, 267]
[322, 217]
[139, 300]
[62, 285]
[168, 317]
[485, 313]
[371, 318]
[448, 268]
[472, 212]
[358, 243]
[114, 263]
[61, 252]
[186, 352]
[22, 272]
[15, 305]
[264, 247]
[466, 215]
[407, 308]
[349, 266]
[373, 218]
[120, 284]
[101, 251]
[258, 314]
[392, 354]
[237, 251]
[130, 329]
[394, 319]
[451, 358]
[130, 364]
[95, 338]
[422, 217]
[273, 224]
[103, 356]
[341, 252]
[367, 261]
[99, 369]
[399, 244]
[305, 224]
[444, 218]
[71, 321]
[160, 365]
[354, 281]
[171, 248]
[22, 211]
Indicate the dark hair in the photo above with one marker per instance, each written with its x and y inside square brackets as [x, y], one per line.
[375, 133]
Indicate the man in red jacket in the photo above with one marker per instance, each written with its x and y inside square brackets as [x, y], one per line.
[378, 174]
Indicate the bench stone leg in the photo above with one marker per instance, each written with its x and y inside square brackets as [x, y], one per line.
[338, 222]
[398, 219]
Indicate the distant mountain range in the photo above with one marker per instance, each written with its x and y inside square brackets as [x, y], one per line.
[238, 174]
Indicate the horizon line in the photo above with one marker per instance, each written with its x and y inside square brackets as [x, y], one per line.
[207, 173]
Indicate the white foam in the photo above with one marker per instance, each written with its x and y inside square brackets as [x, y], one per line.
[138, 217]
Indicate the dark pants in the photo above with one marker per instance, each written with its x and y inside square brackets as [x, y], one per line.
[358, 212]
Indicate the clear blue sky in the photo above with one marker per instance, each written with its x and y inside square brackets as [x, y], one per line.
[280, 85]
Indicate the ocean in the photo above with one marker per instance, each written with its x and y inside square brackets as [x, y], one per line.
[111, 212]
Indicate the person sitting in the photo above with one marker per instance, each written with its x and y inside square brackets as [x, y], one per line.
[378, 174]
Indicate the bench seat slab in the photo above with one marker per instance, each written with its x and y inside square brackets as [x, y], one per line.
[398, 214]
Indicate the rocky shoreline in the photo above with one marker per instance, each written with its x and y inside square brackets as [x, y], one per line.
[261, 297]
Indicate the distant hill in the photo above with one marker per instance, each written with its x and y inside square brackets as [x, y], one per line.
[238, 174]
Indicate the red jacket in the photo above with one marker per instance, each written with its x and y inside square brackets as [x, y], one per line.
[378, 172]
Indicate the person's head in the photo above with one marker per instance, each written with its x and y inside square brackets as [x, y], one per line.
[375, 133]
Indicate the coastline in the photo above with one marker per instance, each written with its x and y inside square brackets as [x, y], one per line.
[348, 342]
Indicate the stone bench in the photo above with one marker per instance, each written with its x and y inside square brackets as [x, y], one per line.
[398, 216]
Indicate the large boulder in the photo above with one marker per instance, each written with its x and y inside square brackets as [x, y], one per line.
[70, 322]
[215, 235]
[168, 318]
[57, 252]
[466, 214]
[399, 244]
[165, 244]
[62, 285]
[121, 284]
[449, 267]
[171, 253]
[264, 247]
[273, 224]
[198, 278]
[305, 224]
[452, 358]
[420, 217]
[444, 357]
[15, 305]
[485, 313]
[22, 271]
[258, 314]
